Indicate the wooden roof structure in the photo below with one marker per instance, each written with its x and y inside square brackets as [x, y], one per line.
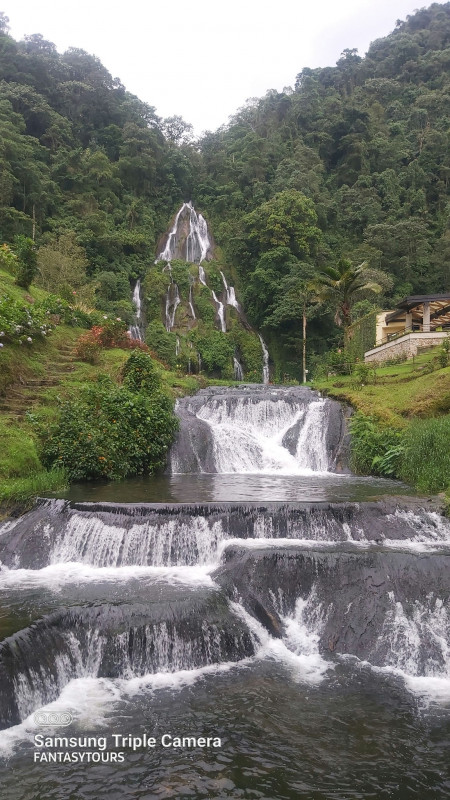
[439, 305]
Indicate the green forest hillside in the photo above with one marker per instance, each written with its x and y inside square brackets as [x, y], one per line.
[367, 143]
[352, 164]
[344, 178]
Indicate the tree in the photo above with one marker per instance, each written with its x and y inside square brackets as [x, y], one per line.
[4, 23]
[300, 296]
[287, 220]
[62, 266]
[340, 284]
[27, 258]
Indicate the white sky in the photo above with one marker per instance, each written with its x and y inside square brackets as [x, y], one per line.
[203, 59]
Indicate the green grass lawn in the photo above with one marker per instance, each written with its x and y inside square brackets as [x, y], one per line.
[396, 394]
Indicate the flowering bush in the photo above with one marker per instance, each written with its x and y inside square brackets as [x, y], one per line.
[21, 323]
[88, 348]
[112, 333]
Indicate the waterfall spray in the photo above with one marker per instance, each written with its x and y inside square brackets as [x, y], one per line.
[135, 329]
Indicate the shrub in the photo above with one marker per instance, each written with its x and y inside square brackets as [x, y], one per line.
[112, 333]
[249, 347]
[8, 260]
[216, 350]
[139, 374]
[110, 432]
[162, 342]
[21, 323]
[88, 348]
[204, 305]
[363, 374]
[444, 353]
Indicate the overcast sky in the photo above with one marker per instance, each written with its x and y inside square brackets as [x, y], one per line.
[203, 59]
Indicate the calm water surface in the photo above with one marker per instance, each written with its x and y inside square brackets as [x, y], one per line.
[208, 488]
[355, 736]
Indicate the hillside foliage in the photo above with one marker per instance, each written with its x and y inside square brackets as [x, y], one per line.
[350, 165]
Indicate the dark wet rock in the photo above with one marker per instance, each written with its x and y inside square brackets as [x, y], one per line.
[115, 641]
[362, 597]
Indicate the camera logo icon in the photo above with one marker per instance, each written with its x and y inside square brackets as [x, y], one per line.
[53, 718]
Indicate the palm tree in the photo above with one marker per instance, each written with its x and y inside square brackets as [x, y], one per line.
[338, 285]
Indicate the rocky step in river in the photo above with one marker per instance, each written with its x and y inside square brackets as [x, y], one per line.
[267, 624]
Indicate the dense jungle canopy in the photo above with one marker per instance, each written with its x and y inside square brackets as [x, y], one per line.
[352, 163]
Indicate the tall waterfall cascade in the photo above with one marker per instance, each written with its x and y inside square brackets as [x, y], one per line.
[230, 294]
[265, 374]
[191, 303]
[135, 329]
[238, 372]
[172, 302]
[188, 238]
[220, 312]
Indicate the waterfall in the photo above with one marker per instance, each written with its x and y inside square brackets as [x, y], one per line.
[230, 294]
[257, 430]
[165, 590]
[220, 312]
[109, 609]
[265, 375]
[177, 346]
[39, 661]
[202, 276]
[237, 370]
[169, 251]
[172, 303]
[135, 329]
[191, 303]
[188, 238]
[197, 243]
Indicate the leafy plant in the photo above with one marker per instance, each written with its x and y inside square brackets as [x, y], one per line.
[373, 447]
[112, 432]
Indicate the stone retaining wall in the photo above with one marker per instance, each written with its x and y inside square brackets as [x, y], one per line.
[406, 346]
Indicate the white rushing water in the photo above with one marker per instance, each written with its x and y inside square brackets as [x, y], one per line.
[167, 253]
[220, 312]
[172, 302]
[135, 329]
[238, 372]
[191, 303]
[197, 242]
[230, 294]
[202, 276]
[249, 437]
[265, 375]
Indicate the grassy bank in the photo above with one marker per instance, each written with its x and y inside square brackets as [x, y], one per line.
[34, 381]
[401, 427]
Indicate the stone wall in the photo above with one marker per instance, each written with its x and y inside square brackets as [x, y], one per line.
[406, 346]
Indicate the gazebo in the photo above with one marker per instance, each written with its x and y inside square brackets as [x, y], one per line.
[419, 321]
[422, 313]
